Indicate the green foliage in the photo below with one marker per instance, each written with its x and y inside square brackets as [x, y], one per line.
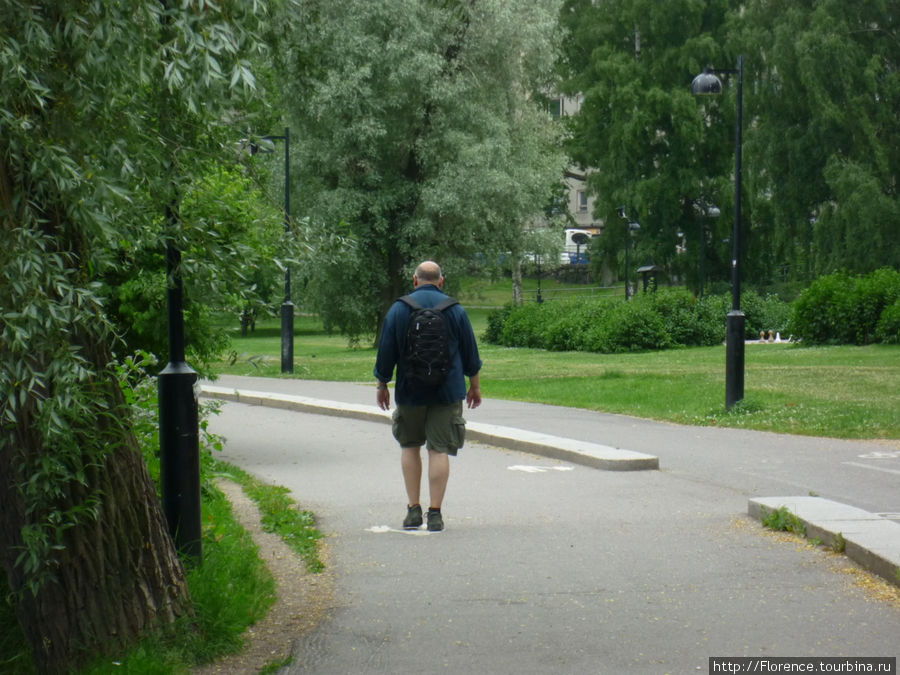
[110, 113]
[667, 318]
[888, 330]
[52, 395]
[839, 392]
[231, 562]
[568, 322]
[496, 320]
[524, 326]
[844, 309]
[441, 149]
[839, 543]
[821, 160]
[764, 314]
[15, 657]
[648, 141]
[229, 265]
[231, 590]
[628, 327]
[825, 165]
[280, 514]
[782, 520]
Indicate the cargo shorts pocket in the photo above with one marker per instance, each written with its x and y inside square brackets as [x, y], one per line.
[395, 425]
[459, 431]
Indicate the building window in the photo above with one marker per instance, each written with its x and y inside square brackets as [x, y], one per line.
[556, 109]
[582, 201]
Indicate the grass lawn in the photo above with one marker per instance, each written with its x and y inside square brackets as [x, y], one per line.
[844, 391]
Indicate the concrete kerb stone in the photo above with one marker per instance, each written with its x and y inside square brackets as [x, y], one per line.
[555, 447]
[869, 539]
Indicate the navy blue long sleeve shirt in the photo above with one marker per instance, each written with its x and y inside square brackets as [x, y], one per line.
[464, 358]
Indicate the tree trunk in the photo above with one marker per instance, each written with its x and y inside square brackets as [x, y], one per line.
[118, 573]
[517, 281]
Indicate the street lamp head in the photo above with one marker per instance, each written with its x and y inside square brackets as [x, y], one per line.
[706, 83]
[634, 227]
[621, 212]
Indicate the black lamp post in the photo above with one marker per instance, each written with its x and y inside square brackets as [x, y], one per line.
[287, 307]
[632, 226]
[179, 436]
[704, 84]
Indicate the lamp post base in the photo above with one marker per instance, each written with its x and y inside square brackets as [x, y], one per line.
[734, 357]
[180, 458]
[287, 337]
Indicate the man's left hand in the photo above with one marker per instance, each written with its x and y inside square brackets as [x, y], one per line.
[473, 397]
[383, 397]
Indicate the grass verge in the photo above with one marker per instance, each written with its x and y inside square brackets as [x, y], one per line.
[839, 392]
[231, 590]
[280, 514]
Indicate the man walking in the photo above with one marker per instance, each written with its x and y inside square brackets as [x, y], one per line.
[427, 413]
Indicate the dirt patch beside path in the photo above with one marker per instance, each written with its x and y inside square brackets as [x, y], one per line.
[303, 597]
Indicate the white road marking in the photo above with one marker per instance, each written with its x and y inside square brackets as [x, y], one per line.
[872, 468]
[382, 529]
[539, 469]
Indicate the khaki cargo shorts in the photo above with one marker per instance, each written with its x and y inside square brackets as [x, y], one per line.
[440, 427]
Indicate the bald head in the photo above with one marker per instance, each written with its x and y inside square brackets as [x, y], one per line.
[429, 272]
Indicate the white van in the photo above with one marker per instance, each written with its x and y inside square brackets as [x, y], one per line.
[578, 243]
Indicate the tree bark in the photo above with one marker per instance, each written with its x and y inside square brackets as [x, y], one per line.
[118, 573]
[517, 280]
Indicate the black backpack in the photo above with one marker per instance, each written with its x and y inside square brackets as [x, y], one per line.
[426, 353]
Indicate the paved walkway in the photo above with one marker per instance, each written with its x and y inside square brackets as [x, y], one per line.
[656, 536]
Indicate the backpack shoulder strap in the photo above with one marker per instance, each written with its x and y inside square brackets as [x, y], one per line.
[441, 306]
[445, 304]
[409, 300]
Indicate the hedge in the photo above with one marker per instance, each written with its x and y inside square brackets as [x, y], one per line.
[667, 318]
[835, 309]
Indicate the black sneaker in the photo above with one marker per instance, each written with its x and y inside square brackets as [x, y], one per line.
[413, 517]
[435, 521]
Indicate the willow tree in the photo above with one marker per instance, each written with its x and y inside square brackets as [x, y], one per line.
[824, 162]
[419, 127]
[820, 156]
[102, 107]
[643, 139]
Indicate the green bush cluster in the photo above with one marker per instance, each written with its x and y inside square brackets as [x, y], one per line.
[667, 318]
[844, 309]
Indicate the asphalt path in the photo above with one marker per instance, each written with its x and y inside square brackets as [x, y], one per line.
[547, 566]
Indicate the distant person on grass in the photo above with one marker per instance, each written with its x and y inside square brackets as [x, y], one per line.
[429, 405]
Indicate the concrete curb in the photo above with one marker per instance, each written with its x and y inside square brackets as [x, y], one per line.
[576, 452]
[869, 539]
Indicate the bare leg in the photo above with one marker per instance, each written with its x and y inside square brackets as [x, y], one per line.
[411, 464]
[438, 474]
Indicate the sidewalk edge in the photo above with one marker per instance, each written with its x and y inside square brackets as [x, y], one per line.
[866, 538]
[554, 447]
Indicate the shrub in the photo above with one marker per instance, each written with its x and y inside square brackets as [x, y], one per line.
[821, 311]
[888, 330]
[871, 295]
[523, 326]
[710, 316]
[678, 309]
[574, 319]
[839, 309]
[495, 322]
[667, 318]
[628, 327]
[764, 313]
